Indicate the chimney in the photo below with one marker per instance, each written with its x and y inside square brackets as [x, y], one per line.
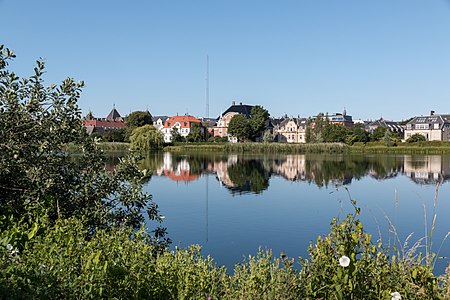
[432, 113]
[233, 103]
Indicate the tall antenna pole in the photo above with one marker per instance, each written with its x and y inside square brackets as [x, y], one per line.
[207, 86]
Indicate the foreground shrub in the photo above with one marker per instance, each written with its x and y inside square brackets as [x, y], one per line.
[58, 262]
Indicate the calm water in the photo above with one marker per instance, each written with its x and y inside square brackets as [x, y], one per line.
[234, 204]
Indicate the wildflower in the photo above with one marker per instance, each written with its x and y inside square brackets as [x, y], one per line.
[9, 247]
[396, 296]
[344, 261]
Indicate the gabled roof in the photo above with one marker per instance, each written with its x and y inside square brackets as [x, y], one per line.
[241, 109]
[393, 126]
[184, 121]
[114, 114]
[432, 119]
[163, 118]
[300, 122]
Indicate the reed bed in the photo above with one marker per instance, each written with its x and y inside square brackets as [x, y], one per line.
[403, 149]
[274, 148]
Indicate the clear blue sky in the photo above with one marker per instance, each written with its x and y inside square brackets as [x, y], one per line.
[387, 58]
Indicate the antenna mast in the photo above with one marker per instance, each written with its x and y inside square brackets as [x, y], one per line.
[207, 86]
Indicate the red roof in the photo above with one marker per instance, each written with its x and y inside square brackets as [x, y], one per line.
[184, 175]
[104, 123]
[185, 121]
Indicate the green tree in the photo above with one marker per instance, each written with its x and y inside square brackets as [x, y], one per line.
[315, 128]
[417, 137]
[379, 133]
[115, 135]
[138, 119]
[334, 133]
[176, 136]
[268, 136]
[357, 134]
[196, 133]
[240, 128]
[38, 175]
[258, 120]
[146, 138]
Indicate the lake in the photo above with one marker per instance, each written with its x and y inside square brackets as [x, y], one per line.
[234, 204]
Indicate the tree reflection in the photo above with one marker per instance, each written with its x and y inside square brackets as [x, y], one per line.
[248, 176]
[251, 174]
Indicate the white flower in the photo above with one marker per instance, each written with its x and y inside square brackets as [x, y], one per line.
[344, 261]
[9, 247]
[396, 296]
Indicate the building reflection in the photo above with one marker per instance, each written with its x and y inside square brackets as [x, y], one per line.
[176, 170]
[245, 174]
[430, 169]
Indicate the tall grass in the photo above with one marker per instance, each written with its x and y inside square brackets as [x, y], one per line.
[273, 148]
[433, 147]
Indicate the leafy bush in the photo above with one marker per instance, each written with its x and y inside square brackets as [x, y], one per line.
[416, 138]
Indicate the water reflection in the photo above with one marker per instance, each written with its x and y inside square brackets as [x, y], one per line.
[242, 174]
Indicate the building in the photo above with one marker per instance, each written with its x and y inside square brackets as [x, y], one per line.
[100, 125]
[336, 118]
[435, 127]
[391, 125]
[182, 124]
[340, 119]
[290, 130]
[221, 129]
[158, 121]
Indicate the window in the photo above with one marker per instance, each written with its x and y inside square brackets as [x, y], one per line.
[422, 126]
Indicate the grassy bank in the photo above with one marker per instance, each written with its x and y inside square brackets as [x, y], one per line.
[271, 148]
[403, 148]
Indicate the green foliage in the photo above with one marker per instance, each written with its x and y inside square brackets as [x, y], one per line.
[138, 119]
[390, 139]
[357, 134]
[176, 136]
[267, 137]
[249, 129]
[258, 120]
[59, 263]
[285, 148]
[196, 134]
[38, 175]
[371, 274]
[417, 137]
[240, 128]
[379, 133]
[146, 138]
[218, 139]
[38, 261]
[115, 135]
